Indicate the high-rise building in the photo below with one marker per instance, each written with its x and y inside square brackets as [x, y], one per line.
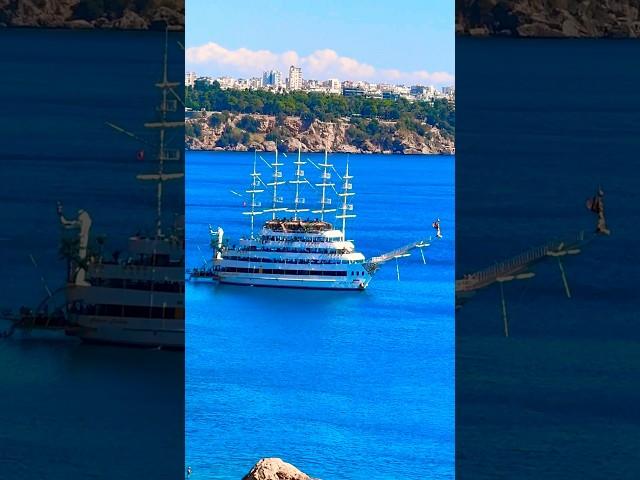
[189, 79]
[333, 85]
[294, 82]
[272, 78]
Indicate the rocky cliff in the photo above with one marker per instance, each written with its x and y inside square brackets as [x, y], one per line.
[275, 469]
[215, 131]
[549, 18]
[117, 14]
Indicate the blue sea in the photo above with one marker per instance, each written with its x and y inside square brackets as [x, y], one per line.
[69, 410]
[540, 124]
[356, 385]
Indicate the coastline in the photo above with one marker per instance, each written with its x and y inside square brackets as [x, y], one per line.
[387, 152]
[225, 131]
[548, 19]
[91, 15]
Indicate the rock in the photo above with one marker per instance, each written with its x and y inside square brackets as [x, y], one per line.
[549, 18]
[131, 21]
[538, 30]
[65, 14]
[269, 146]
[570, 28]
[479, 31]
[275, 469]
[167, 16]
[79, 24]
[316, 138]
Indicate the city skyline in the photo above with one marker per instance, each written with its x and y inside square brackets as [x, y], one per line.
[329, 40]
[275, 81]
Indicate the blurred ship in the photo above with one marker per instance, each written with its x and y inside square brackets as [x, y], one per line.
[135, 297]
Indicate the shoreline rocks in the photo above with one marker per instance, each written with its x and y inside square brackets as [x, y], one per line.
[85, 14]
[548, 18]
[204, 131]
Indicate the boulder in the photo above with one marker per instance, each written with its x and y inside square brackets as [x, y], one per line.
[79, 24]
[131, 21]
[275, 469]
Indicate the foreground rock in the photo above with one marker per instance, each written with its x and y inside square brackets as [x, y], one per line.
[549, 18]
[275, 469]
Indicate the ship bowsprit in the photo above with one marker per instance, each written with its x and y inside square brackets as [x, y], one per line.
[405, 251]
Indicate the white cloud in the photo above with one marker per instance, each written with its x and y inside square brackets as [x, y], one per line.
[321, 64]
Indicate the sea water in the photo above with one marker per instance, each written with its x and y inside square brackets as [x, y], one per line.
[356, 385]
[69, 410]
[542, 123]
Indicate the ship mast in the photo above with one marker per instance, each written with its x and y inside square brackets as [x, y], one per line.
[255, 188]
[276, 175]
[325, 177]
[299, 179]
[163, 154]
[346, 186]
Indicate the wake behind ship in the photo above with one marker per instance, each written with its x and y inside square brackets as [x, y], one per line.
[293, 252]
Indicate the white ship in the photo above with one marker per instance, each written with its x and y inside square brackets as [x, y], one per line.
[292, 251]
[137, 297]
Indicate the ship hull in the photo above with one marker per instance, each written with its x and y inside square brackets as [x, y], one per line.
[295, 282]
[153, 334]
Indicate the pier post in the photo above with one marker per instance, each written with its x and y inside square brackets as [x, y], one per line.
[564, 278]
[504, 310]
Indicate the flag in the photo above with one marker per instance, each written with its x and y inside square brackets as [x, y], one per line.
[140, 155]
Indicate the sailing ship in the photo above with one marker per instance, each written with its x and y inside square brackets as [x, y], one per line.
[135, 298]
[292, 251]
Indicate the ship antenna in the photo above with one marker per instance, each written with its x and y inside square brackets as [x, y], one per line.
[346, 186]
[275, 184]
[296, 200]
[253, 191]
[325, 183]
[255, 184]
[160, 177]
[324, 186]
[276, 175]
[163, 117]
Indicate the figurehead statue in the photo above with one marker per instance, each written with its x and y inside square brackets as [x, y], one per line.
[83, 224]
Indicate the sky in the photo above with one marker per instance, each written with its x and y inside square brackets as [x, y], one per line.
[400, 42]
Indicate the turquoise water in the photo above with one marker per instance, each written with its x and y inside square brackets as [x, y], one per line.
[356, 385]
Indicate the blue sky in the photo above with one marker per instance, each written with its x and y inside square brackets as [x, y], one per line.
[401, 42]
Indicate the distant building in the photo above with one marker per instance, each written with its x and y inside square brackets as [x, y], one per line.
[353, 91]
[255, 83]
[294, 82]
[448, 91]
[241, 84]
[390, 95]
[333, 85]
[226, 82]
[272, 78]
[417, 90]
[190, 79]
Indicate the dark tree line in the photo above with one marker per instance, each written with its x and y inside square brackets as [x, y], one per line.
[325, 107]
